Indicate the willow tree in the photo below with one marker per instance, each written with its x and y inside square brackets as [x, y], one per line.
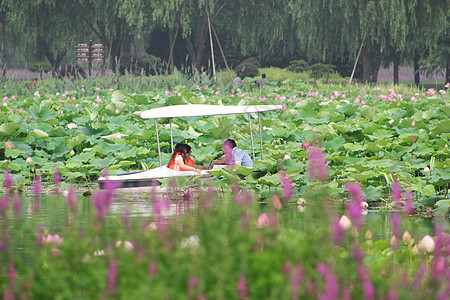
[263, 28]
[105, 20]
[45, 27]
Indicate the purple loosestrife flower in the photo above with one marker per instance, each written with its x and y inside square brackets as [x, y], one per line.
[331, 283]
[297, 275]
[7, 181]
[242, 287]
[396, 192]
[337, 230]
[417, 281]
[396, 223]
[354, 206]
[317, 166]
[112, 278]
[152, 269]
[56, 180]
[286, 184]
[37, 190]
[368, 288]
[71, 198]
[409, 208]
[192, 285]
[4, 204]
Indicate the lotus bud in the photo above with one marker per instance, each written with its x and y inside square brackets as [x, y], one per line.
[393, 242]
[427, 244]
[415, 249]
[345, 222]
[301, 201]
[368, 234]
[29, 160]
[72, 152]
[406, 237]
[426, 170]
[276, 202]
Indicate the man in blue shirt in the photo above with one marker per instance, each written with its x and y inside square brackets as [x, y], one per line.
[234, 156]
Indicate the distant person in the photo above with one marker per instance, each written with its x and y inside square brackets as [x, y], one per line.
[181, 159]
[237, 80]
[234, 156]
[263, 81]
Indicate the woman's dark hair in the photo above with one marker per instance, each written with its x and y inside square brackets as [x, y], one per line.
[230, 142]
[183, 149]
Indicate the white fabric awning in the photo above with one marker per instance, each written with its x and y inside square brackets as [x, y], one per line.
[196, 110]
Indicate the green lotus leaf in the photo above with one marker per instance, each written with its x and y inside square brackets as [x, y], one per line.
[76, 141]
[14, 153]
[441, 127]
[140, 99]
[8, 129]
[117, 96]
[38, 134]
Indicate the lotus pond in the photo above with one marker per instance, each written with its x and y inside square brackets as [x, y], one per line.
[296, 227]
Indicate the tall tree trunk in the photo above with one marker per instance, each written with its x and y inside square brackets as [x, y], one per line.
[4, 65]
[396, 67]
[367, 72]
[171, 65]
[416, 69]
[197, 50]
[447, 71]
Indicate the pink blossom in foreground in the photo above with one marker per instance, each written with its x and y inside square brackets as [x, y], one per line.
[317, 164]
[286, 185]
[368, 288]
[242, 287]
[331, 283]
[112, 278]
[354, 205]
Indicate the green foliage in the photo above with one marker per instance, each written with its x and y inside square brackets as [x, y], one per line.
[321, 70]
[298, 66]
[247, 68]
[40, 67]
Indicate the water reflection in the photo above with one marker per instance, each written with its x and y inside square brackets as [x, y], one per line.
[52, 212]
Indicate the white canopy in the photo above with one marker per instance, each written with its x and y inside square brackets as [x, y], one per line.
[196, 110]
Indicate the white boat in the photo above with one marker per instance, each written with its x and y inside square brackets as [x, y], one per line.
[145, 180]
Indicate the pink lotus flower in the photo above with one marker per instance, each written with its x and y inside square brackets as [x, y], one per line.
[20, 111]
[263, 221]
[427, 244]
[110, 90]
[29, 160]
[83, 90]
[54, 240]
[72, 125]
[97, 89]
[413, 123]
[305, 145]
[447, 85]
[426, 170]
[276, 202]
[117, 111]
[414, 139]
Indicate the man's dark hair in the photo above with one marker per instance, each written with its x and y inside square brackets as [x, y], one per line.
[230, 142]
[263, 75]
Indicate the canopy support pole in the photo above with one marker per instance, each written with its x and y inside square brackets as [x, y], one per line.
[171, 135]
[251, 135]
[157, 139]
[260, 134]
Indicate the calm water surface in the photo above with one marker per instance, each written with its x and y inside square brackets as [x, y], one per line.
[53, 213]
